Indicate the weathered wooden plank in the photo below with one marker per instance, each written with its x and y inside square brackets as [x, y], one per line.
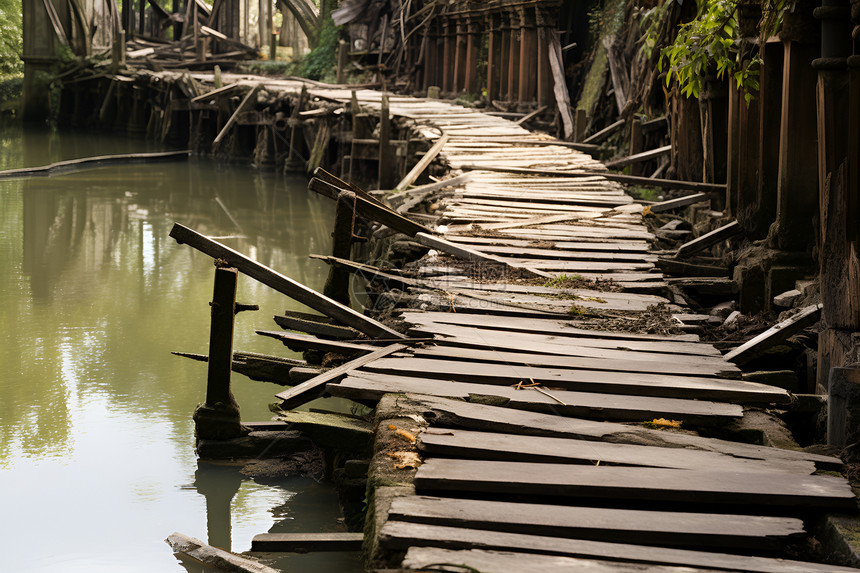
[683, 364]
[468, 444]
[527, 206]
[678, 529]
[710, 239]
[504, 562]
[456, 413]
[604, 133]
[370, 387]
[316, 328]
[470, 254]
[538, 253]
[92, 163]
[776, 334]
[677, 203]
[422, 164]
[283, 284]
[315, 387]
[655, 485]
[585, 380]
[639, 157]
[300, 342]
[401, 535]
[233, 118]
[372, 210]
[554, 327]
[307, 542]
[537, 343]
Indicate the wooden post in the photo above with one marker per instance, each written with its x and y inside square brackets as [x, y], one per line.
[473, 47]
[337, 284]
[504, 55]
[386, 171]
[294, 160]
[460, 55]
[528, 56]
[218, 418]
[342, 59]
[514, 57]
[447, 56]
[636, 144]
[544, 72]
[493, 57]
[797, 182]
[580, 122]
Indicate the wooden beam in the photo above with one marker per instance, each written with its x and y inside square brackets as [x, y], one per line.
[532, 115]
[315, 387]
[423, 163]
[307, 542]
[677, 203]
[468, 254]
[235, 117]
[283, 284]
[604, 133]
[775, 335]
[631, 179]
[213, 93]
[562, 97]
[639, 157]
[62, 167]
[372, 210]
[710, 239]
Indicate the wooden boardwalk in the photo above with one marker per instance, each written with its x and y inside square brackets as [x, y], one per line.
[527, 407]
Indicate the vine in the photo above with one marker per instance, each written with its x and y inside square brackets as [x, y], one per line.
[710, 44]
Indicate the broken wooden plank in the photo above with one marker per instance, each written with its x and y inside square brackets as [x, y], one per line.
[260, 367]
[532, 115]
[71, 165]
[468, 254]
[604, 133]
[767, 491]
[559, 85]
[678, 529]
[710, 239]
[235, 117]
[214, 557]
[315, 387]
[307, 542]
[422, 164]
[457, 413]
[283, 284]
[213, 93]
[402, 535]
[639, 157]
[776, 334]
[555, 327]
[370, 387]
[672, 364]
[316, 328]
[468, 444]
[301, 342]
[631, 179]
[676, 203]
[641, 383]
[372, 210]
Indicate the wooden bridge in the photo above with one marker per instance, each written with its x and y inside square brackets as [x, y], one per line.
[523, 423]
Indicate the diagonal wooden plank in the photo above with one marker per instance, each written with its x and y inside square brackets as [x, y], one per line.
[457, 413]
[775, 335]
[653, 485]
[315, 387]
[283, 284]
[469, 444]
[401, 535]
[370, 387]
[670, 528]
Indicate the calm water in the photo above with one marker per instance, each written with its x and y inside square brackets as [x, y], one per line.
[96, 441]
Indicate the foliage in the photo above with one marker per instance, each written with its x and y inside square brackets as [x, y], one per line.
[710, 44]
[10, 39]
[322, 59]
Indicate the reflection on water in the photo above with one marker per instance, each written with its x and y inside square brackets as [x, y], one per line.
[96, 459]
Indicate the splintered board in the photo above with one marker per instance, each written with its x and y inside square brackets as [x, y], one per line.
[777, 490]
[468, 444]
[454, 413]
[371, 387]
[668, 528]
[581, 380]
[401, 535]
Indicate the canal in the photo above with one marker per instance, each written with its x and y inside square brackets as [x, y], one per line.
[97, 464]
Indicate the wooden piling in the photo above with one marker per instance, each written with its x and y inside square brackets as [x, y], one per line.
[386, 163]
[337, 284]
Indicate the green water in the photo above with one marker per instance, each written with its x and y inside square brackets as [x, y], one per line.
[96, 441]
